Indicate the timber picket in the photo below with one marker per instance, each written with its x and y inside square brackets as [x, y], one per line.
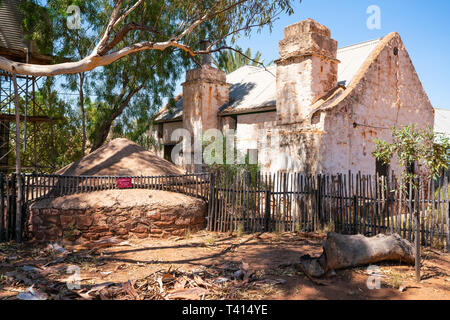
[352, 203]
[279, 202]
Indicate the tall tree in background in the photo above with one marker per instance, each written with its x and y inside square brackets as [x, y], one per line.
[46, 25]
[230, 60]
[75, 43]
[222, 21]
[59, 143]
[133, 88]
[166, 34]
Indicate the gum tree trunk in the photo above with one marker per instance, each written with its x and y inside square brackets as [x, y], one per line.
[343, 251]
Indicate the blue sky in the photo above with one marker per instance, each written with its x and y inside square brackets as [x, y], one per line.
[423, 25]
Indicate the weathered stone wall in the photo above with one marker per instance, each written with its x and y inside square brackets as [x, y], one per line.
[307, 69]
[248, 129]
[168, 129]
[204, 92]
[51, 221]
[386, 93]
[338, 134]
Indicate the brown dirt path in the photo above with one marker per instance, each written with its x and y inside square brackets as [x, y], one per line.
[270, 257]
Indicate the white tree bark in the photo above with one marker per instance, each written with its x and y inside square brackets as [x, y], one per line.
[101, 56]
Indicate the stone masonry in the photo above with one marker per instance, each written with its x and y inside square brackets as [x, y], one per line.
[50, 221]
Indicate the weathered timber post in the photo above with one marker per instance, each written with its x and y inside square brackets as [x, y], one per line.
[211, 201]
[446, 192]
[2, 209]
[318, 201]
[18, 165]
[355, 214]
[417, 224]
[267, 212]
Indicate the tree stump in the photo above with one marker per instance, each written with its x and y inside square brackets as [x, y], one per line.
[343, 251]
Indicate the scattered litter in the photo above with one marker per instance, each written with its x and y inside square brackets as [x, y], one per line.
[56, 247]
[221, 280]
[272, 282]
[19, 277]
[30, 269]
[239, 275]
[103, 243]
[188, 294]
[128, 287]
[32, 294]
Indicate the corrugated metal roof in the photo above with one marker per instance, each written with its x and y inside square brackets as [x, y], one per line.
[352, 58]
[11, 35]
[251, 87]
[442, 121]
[254, 88]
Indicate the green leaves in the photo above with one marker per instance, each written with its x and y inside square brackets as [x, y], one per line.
[131, 89]
[412, 145]
[230, 61]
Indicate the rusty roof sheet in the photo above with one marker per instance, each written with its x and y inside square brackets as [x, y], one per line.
[254, 88]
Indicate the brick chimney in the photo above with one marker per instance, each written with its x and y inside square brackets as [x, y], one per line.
[204, 92]
[307, 69]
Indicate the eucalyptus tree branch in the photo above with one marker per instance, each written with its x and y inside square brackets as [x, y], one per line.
[123, 32]
[101, 55]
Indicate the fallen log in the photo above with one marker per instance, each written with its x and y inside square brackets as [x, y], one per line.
[344, 251]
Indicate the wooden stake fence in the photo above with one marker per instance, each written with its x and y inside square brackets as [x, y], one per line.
[259, 202]
[345, 203]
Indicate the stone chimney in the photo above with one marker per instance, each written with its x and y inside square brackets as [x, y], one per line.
[204, 92]
[307, 69]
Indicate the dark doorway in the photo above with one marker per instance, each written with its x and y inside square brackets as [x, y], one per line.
[382, 169]
[168, 152]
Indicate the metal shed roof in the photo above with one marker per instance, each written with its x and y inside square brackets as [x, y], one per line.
[442, 121]
[253, 89]
[11, 35]
[13, 44]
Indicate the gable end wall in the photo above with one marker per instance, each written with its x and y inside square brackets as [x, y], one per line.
[388, 94]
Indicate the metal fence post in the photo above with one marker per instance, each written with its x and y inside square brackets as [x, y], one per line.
[2, 209]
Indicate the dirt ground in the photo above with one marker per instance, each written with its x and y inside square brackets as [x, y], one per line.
[205, 266]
